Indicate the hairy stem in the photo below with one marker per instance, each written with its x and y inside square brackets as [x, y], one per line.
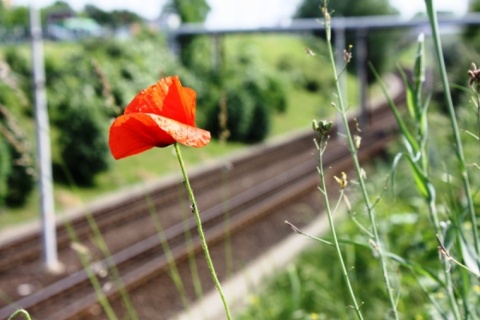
[200, 231]
[358, 169]
[356, 306]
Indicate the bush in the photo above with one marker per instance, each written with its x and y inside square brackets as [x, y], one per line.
[251, 93]
[259, 125]
[239, 113]
[83, 142]
[18, 61]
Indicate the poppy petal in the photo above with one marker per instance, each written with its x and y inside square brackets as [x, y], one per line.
[133, 133]
[182, 133]
[167, 98]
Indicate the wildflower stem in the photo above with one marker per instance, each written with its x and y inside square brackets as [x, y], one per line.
[334, 234]
[353, 151]
[200, 230]
[456, 132]
[18, 312]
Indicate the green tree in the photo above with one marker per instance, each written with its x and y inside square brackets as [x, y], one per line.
[380, 44]
[189, 11]
[97, 14]
[14, 17]
[56, 11]
[114, 19]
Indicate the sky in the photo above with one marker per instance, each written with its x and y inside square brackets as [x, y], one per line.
[244, 12]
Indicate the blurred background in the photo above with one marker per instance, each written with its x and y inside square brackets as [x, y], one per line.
[244, 59]
[261, 73]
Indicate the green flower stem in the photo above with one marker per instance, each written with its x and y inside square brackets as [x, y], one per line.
[456, 132]
[358, 169]
[18, 312]
[336, 244]
[200, 230]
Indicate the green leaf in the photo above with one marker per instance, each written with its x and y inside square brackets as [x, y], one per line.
[421, 181]
[409, 94]
[419, 74]
[403, 128]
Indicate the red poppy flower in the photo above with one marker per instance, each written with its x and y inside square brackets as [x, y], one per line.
[158, 116]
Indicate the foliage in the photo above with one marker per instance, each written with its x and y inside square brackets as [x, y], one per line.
[189, 11]
[57, 10]
[5, 168]
[20, 168]
[458, 56]
[238, 111]
[21, 180]
[14, 17]
[83, 144]
[16, 148]
[114, 19]
[471, 33]
[18, 62]
[246, 96]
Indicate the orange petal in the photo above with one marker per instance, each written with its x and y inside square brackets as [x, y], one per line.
[182, 133]
[137, 132]
[166, 98]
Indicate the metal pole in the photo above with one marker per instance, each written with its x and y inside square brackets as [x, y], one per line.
[47, 208]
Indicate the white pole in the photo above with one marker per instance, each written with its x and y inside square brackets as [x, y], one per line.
[47, 207]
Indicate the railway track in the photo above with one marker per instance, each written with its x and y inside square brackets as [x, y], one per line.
[246, 189]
